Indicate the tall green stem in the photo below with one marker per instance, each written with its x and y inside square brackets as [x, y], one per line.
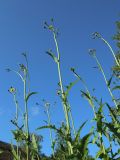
[86, 88]
[61, 85]
[49, 123]
[110, 50]
[65, 107]
[72, 121]
[16, 105]
[26, 118]
[16, 118]
[99, 65]
[91, 104]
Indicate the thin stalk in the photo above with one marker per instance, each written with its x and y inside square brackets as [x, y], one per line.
[16, 118]
[91, 103]
[99, 65]
[49, 123]
[16, 105]
[61, 85]
[110, 50]
[19, 75]
[65, 107]
[72, 121]
[28, 76]
[26, 118]
[84, 84]
[60, 79]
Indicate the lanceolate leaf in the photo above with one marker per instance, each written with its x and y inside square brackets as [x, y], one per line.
[116, 68]
[79, 131]
[34, 143]
[51, 127]
[111, 112]
[116, 87]
[101, 155]
[109, 81]
[14, 153]
[86, 95]
[99, 117]
[29, 95]
[52, 56]
[95, 139]
[70, 86]
[84, 143]
[59, 131]
[114, 130]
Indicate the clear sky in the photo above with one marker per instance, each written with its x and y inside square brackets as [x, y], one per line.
[21, 29]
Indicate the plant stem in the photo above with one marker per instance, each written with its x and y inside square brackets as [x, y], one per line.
[72, 120]
[91, 104]
[26, 118]
[90, 101]
[61, 85]
[16, 104]
[28, 76]
[49, 123]
[110, 50]
[16, 117]
[99, 65]
[65, 107]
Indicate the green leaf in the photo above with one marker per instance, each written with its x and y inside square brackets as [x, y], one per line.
[95, 139]
[84, 144]
[114, 129]
[99, 153]
[29, 95]
[50, 27]
[52, 56]
[70, 86]
[111, 112]
[116, 87]
[66, 137]
[14, 153]
[34, 141]
[34, 144]
[116, 68]
[79, 131]
[86, 95]
[51, 127]
[109, 81]
[19, 135]
[99, 117]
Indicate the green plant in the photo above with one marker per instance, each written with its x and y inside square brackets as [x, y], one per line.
[75, 147]
[22, 134]
[68, 144]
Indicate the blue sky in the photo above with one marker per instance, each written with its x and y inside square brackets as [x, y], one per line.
[21, 30]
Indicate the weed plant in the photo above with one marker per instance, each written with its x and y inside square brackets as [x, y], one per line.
[68, 143]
